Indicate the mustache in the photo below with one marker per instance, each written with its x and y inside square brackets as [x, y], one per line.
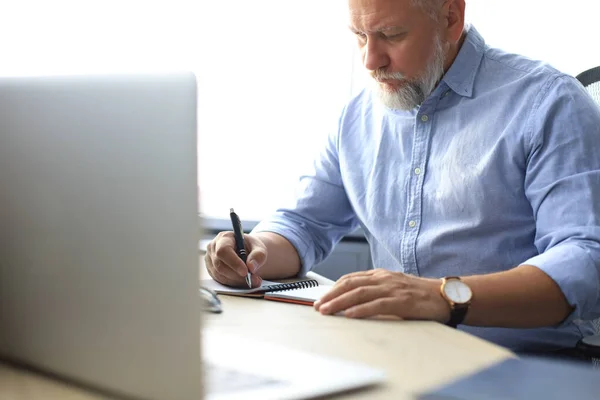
[379, 75]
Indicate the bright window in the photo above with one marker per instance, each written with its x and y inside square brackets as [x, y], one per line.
[274, 77]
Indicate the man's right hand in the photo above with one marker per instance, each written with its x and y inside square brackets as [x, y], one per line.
[225, 266]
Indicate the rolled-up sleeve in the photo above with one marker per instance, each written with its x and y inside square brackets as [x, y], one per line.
[321, 214]
[563, 186]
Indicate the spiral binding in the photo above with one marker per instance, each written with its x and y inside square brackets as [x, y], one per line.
[292, 285]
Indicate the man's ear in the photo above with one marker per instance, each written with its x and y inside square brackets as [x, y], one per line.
[454, 17]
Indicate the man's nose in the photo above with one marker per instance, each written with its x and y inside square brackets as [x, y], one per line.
[374, 56]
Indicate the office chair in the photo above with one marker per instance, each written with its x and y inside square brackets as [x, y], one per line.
[590, 79]
[590, 346]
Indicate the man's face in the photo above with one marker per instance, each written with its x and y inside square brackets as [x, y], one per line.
[402, 48]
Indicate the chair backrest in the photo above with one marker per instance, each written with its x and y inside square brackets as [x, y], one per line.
[596, 361]
[590, 79]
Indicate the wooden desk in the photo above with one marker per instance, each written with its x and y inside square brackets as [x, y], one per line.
[416, 355]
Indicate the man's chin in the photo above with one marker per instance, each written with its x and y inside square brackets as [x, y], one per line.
[394, 101]
[391, 86]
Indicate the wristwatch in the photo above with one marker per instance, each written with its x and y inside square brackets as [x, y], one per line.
[458, 295]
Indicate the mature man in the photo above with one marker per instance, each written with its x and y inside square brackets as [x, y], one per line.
[461, 161]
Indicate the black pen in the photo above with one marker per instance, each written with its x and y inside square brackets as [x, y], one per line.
[240, 248]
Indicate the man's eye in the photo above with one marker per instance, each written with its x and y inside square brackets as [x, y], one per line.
[360, 35]
[396, 36]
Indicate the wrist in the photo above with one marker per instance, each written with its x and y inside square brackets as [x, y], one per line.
[458, 296]
[440, 309]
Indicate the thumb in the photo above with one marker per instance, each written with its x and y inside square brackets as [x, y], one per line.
[257, 255]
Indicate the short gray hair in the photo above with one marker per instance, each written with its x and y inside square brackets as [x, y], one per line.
[431, 7]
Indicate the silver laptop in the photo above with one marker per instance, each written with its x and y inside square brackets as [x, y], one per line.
[99, 247]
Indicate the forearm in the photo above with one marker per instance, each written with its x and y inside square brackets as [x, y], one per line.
[282, 258]
[524, 297]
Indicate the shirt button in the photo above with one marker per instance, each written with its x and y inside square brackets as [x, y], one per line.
[412, 224]
[417, 171]
[424, 118]
[447, 93]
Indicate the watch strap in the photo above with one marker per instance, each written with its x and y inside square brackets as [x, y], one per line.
[457, 315]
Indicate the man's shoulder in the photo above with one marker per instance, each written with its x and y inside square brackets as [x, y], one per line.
[498, 64]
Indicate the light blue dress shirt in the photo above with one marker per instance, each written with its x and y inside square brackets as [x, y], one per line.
[500, 166]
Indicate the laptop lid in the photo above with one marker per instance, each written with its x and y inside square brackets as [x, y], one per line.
[98, 205]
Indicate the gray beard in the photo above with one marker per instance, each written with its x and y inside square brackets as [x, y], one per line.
[414, 93]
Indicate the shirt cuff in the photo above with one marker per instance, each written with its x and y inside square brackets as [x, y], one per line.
[574, 271]
[307, 257]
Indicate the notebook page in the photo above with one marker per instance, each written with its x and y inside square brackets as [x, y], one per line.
[217, 287]
[309, 295]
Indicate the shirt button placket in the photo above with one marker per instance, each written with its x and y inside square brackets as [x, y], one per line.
[416, 184]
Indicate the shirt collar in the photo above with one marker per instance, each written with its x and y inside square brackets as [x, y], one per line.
[461, 74]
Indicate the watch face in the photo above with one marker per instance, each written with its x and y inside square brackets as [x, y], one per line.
[457, 291]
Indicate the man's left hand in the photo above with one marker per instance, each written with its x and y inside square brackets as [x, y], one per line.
[380, 292]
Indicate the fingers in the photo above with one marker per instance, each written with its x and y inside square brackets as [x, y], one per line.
[351, 298]
[257, 253]
[230, 278]
[376, 292]
[343, 285]
[225, 266]
[380, 306]
[224, 251]
[220, 277]
[256, 281]
[221, 274]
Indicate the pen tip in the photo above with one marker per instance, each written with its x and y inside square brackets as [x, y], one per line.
[231, 211]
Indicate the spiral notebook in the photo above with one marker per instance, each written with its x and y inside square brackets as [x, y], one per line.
[302, 292]
[306, 296]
